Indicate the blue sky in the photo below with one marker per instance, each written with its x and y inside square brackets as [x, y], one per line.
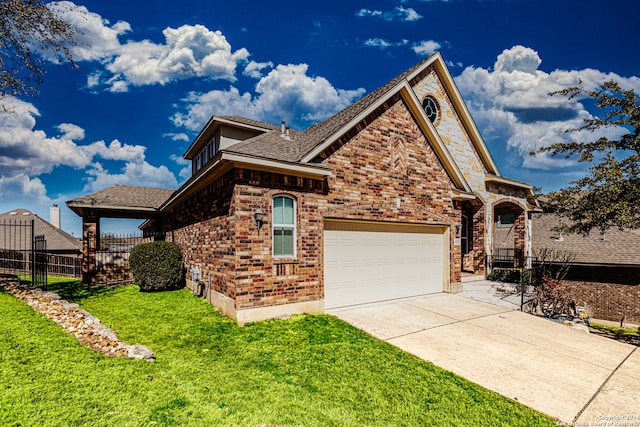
[151, 74]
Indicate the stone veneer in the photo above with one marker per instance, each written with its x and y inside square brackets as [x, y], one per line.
[456, 138]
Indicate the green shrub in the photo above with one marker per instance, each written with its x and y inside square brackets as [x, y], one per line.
[157, 266]
[504, 275]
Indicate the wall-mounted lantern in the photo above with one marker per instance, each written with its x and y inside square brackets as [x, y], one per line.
[458, 226]
[258, 216]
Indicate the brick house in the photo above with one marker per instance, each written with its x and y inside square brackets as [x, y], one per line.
[604, 269]
[392, 197]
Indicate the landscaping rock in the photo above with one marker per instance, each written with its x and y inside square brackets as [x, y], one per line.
[85, 327]
[140, 352]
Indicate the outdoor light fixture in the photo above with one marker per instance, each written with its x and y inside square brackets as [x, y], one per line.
[257, 218]
[458, 226]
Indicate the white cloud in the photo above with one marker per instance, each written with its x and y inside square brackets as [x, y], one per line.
[96, 39]
[188, 51]
[425, 47]
[71, 131]
[383, 44]
[115, 151]
[285, 93]
[185, 171]
[26, 152]
[399, 13]
[131, 174]
[177, 136]
[21, 187]
[254, 69]
[511, 105]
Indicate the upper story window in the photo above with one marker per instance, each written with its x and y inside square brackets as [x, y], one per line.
[284, 226]
[431, 109]
[204, 156]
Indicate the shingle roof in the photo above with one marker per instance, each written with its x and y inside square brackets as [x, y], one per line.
[618, 247]
[273, 146]
[57, 240]
[124, 196]
[250, 122]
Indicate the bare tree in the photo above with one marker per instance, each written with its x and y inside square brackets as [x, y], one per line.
[30, 29]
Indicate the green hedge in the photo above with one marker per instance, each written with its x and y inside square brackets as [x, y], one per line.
[157, 266]
[504, 275]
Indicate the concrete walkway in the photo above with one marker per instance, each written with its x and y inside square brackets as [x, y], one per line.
[565, 373]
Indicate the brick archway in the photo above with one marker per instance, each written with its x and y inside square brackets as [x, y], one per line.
[509, 233]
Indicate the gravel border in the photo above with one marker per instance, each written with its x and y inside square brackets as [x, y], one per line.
[84, 326]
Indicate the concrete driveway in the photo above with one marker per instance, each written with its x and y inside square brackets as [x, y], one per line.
[566, 373]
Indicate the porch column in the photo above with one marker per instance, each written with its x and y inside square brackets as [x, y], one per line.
[90, 242]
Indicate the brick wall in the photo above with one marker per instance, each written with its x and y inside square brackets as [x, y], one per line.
[606, 301]
[367, 179]
[387, 160]
[203, 227]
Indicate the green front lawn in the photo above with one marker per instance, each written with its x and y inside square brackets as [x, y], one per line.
[308, 371]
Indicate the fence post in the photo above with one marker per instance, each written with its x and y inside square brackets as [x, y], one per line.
[33, 253]
[522, 285]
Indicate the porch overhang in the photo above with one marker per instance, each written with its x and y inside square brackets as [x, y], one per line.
[121, 201]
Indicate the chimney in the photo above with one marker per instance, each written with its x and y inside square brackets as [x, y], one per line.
[282, 128]
[54, 216]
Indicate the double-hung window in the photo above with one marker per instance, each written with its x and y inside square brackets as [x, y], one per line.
[284, 226]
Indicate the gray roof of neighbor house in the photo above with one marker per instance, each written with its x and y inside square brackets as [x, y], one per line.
[57, 239]
[123, 200]
[618, 247]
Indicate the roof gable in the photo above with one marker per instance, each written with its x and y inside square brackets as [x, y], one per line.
[320, 136]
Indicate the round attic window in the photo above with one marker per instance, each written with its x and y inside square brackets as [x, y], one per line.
[431, 109]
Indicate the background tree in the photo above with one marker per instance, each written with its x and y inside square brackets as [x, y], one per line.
[609, 196]
[30, 29]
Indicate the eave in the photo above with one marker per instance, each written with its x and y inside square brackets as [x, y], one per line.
[494, 179]
[107, 211]
[227, 160]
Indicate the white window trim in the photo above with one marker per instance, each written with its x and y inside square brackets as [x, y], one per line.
[294, 227]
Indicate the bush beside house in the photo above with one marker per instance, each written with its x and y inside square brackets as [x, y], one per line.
[157, 266]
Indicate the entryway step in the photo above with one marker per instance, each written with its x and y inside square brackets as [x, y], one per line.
[466, 278]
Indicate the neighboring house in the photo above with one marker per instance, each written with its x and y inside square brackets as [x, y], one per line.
[392, 197]
[58, 241]
[604, 272]
[18, 230]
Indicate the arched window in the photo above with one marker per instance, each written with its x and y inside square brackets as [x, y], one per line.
[284, 226]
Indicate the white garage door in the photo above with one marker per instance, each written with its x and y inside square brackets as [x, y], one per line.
[376, 262]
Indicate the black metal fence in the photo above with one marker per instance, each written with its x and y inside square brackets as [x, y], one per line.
[23, 252]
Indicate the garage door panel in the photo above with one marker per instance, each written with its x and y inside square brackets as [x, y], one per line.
[372, 262]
